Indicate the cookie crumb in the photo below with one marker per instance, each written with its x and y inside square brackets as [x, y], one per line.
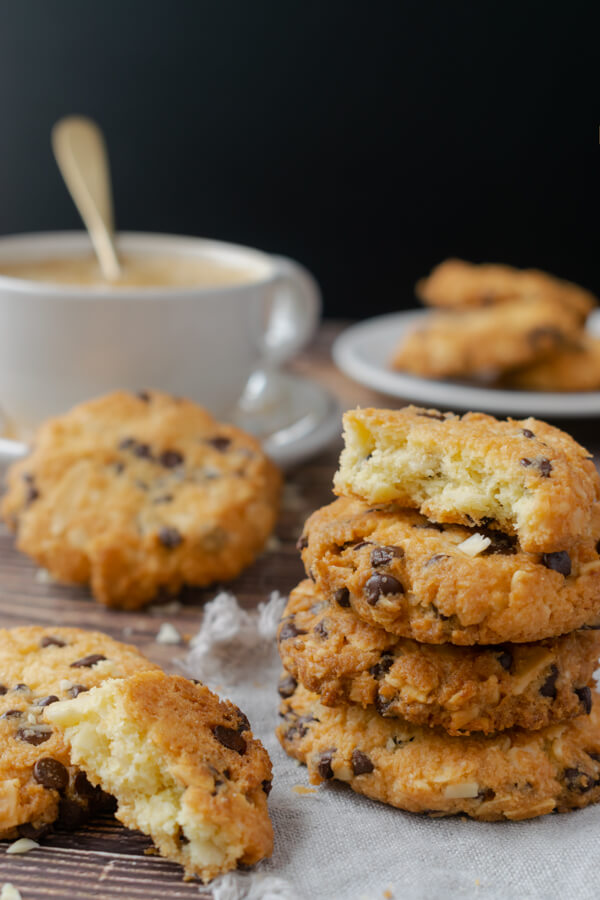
[168, 634]
[474, 545]
[388, 894]
[22, 845]
[303, 790]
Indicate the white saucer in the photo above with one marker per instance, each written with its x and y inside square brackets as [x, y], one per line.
[363, 351]
[302, 419]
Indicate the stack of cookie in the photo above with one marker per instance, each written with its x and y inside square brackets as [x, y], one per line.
[439, 657]
[516, 328]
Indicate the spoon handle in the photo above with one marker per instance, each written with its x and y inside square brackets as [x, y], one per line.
[80, 151]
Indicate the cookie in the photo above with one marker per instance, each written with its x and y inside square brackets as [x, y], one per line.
[332, 652]
[515, 774]
[521, 476]
[38, 666]
[139, 495]
[575, 368]
[439, 583]
[182, 765]
[483, 342]
[455, 284]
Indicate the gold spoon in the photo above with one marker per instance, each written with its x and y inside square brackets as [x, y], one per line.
[80, 151]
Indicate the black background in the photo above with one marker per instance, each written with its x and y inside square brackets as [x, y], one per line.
[367, 140]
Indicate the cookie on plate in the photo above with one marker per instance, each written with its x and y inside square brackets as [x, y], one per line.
[523, 476]
[439, 583]
[456, 284]
[39, 666]
[515, 774]
[484, 342]
[331, 651]
[575, 368]
[141, 494]
[182, 765]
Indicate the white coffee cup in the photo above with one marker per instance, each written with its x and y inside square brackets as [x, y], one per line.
[62, 344]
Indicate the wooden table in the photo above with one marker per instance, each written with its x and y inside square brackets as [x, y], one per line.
[105, 860]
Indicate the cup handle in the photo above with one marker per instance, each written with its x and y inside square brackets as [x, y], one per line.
[295, 307]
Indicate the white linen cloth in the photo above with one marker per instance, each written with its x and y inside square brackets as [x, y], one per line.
[336, 845]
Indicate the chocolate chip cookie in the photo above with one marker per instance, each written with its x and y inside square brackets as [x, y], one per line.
[485, 342]
[515, 774]
[456, 284]
[182, 764]
[524, 477]
[39, 785]
[575, 368]
[141, 494]
[331, 651]
[439, 583]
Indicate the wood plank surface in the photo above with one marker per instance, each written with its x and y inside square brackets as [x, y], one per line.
[104, 860]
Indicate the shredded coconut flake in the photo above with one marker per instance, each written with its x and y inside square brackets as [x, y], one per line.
[168, 634]
[475, 544]
[23, 845]
[468, 789]
[10, 892]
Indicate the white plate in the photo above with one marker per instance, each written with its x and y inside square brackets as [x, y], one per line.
[304, 419]
[363, 351]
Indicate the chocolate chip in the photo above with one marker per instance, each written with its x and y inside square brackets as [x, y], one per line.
[170, 537]
[342, 597]
[598, 547]
[144, 396]
[71, 815]
[12, 714]
[545, 467]
[32, 832]
[229, 738]
[170, 459]
[243, 722]
[320, 630]
[361, 764]
[578, 781]
[383, 666]
[46, 701]
[50, 641]
[299, 728]
[525, 462]
[505, 658]
[380, 585]
[266, 786]
[527, 433]
[548, 689]
[142, 451]
[502, 543]
[31, 494]
[545, 336]
[220, 443]
[182, 837]
[433, 526]
[485, 794]
[287, 686]
[34, 734]
[82, 786]
[51, 774]
[86, 662]
[433, 415]
[22, 688]
[289, 630]
[559, 562]
[302, 543]
[3, 690]
[324, 765]
[382, 556]
[382, 704]
[76, 689]
[435, 558]
[585, 696]
[127, 443]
